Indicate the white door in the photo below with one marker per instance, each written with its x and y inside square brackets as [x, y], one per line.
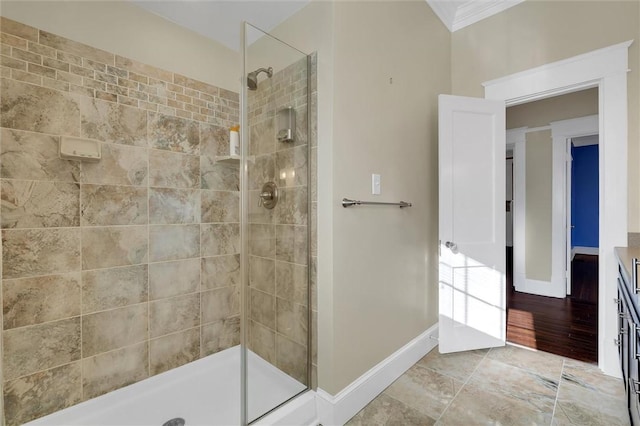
[472, 223]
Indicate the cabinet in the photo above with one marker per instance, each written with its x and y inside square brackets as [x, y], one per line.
[628, 339]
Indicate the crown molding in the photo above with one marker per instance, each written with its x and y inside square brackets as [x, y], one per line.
[456, 15]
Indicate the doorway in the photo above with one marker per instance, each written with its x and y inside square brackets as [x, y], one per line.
[604, 69]
[542, 311]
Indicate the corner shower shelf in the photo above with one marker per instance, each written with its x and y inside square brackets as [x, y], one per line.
[231, 159]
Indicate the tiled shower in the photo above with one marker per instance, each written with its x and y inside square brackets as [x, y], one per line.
[118, 270]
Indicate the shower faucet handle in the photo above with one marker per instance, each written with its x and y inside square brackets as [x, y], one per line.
[264, 196]
[268, 197]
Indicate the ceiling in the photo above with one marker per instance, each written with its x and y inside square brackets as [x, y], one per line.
[220, 19]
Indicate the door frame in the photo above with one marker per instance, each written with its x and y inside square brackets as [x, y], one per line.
[606, 69]
[561, 133]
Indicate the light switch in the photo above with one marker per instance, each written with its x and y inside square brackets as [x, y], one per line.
[375, 184]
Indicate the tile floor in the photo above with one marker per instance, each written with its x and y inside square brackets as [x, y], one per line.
[502, 386]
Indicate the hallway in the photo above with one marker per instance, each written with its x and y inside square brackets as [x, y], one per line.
[567, 327]
[502, 386]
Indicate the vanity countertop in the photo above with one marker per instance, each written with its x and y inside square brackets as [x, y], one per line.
[625, 256]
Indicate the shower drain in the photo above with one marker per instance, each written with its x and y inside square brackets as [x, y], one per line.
[178, 421]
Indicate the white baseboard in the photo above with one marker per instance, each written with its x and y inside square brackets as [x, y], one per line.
[301, 411]
[594, 251]
[337, 410]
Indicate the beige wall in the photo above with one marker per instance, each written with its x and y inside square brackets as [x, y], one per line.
[385, 259]
[377, 275]
[538, 32]
[538, 203]
[125, 29]
[565, 107]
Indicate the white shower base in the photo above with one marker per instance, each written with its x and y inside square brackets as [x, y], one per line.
[204, 393]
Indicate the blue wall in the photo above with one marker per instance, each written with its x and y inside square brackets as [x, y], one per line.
[584, 196]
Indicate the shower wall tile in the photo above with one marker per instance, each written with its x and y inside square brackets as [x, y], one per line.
[37, 109]
[219, 176]
[220, 271]
[73, 47]
[38, 204]
[292, 320]
[263, 170]
[262, 341]
[262, 274]
[174, 170]
[107, 247]
[291, 282]
[34, 156]
[104, 289]
[292, 206]
[262, 308]
[167, 205]
[33, 252]
[314, 117]
[220, 304]
[314, 174]
[263, 137]
[174, 314]
[39, 347]
[262, 240]
[214, 140]
[144, 69]
[174, 242]
[220, 238]
[77, 278]
[291, 165]
[314, 337]
[18, 29]
[220, 335]
[313, 286]
[114, 329]
[174, 278]
[291, 358]
[314, 228]
[174, 350]
[113, 370]
[119, 165]
[291, 243]
[30, 397]
[174, 134]
[111, 122]
[257, 213]
[30, 301]
[220, 206]
[113, 205]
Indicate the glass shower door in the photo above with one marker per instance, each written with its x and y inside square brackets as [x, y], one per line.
[275, 223]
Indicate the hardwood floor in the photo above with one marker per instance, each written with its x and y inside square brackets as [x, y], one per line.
[566, 327]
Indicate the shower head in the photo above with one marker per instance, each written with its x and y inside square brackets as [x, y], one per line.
[252, 77]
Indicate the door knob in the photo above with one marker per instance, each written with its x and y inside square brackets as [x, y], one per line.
[268, 196]
[451, 245]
